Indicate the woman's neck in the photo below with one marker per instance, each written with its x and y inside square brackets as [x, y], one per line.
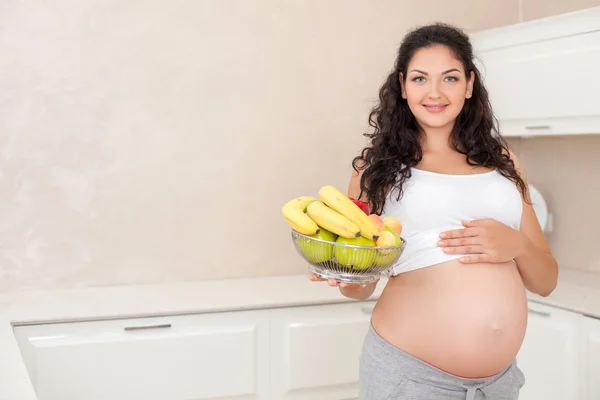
[437, 141]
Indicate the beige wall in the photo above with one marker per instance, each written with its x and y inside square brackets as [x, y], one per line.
[565, 170]
[151, 141]
[534, 9]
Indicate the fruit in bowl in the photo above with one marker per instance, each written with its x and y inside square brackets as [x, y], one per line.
[294, 213]
[377, 221]
[315, 251]
[353, 257]
[331, 220]
[388, 237]
[393, 223]
[325, 229]
[363, 205]
[339, 202]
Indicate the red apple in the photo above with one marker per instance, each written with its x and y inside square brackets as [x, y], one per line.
[363, 205]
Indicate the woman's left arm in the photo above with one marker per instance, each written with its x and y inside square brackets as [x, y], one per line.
[488, 240]
[537, 265]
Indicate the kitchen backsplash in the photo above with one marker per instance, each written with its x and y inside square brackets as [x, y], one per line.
[566, 170]
[151, 141]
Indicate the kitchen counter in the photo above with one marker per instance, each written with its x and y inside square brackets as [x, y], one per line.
[577, 291]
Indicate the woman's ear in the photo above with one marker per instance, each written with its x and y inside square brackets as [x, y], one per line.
[401, 79]
[470, 86]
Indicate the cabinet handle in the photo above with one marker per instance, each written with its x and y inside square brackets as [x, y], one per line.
[541, 313]
[537, 127]
[367, 310]
[143, 327]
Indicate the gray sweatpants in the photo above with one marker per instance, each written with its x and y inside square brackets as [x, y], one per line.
[388, 373]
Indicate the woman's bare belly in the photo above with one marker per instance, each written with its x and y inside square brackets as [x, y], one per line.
[466, 319]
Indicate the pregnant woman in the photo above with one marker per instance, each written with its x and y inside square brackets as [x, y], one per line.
[453, 314]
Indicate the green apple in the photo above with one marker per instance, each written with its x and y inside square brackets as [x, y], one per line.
[357, 258]
[318, 252]
[386, 257]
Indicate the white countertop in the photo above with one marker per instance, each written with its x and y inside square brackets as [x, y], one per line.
[576, 291]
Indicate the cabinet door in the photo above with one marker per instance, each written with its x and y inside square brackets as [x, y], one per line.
[591, 357]
[540, 87]
[549, 357]
[316, 351]
[207, 356]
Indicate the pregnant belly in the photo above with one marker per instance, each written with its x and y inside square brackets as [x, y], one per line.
[466, 319]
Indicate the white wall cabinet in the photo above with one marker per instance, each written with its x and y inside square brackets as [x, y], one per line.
[534, 72]
[292, 353]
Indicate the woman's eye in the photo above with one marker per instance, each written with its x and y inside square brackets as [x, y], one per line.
[451, 79]
[419, 79]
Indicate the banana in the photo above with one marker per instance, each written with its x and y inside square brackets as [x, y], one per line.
[339, 202]
[294, 214]
[331, 220]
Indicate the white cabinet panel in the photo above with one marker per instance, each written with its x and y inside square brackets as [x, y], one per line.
[550, 354]
[591, 357]
[316, 351]
[210, 356]
[292, 353]
[539, 74]
[548, 76]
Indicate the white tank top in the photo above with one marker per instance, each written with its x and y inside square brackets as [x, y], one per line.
[434, 202]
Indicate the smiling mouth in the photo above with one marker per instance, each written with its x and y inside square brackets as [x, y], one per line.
[435, 107]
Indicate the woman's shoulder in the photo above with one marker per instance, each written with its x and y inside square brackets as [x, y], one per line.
[354, 184]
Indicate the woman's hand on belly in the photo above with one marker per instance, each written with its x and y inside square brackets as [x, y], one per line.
[490, 240]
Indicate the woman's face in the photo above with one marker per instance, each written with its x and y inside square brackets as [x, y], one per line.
[436, 87]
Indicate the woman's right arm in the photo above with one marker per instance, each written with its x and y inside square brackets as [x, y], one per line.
[350, 290]
[358, 292]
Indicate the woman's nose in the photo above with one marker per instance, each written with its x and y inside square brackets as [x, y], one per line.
[434, 93]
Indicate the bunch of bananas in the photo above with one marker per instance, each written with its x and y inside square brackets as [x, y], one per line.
[337, 221]
[334, 212]
[336, 218]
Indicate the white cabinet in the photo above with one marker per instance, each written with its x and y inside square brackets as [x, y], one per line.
[550, 354]
[316, 351]
[539, 74]
[591, 357]
[310, 352]
[208, 356]
[292, 353]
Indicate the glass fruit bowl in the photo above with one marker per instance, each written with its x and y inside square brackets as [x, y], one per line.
[346, 262]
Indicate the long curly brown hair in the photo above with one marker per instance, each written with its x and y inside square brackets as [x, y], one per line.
[395, 143]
